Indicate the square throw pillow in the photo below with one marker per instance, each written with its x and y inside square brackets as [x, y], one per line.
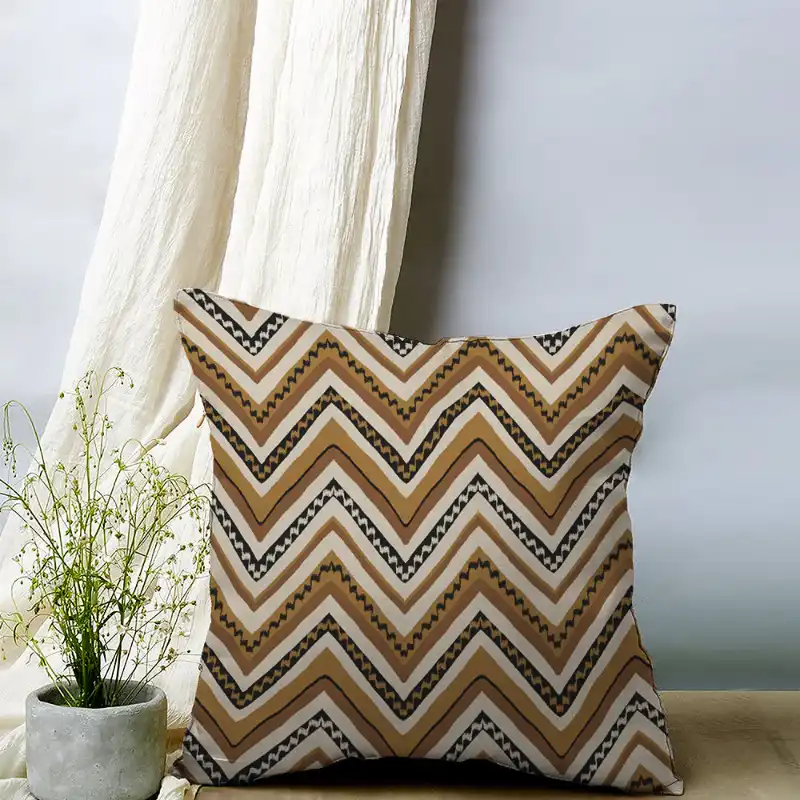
[423, 550]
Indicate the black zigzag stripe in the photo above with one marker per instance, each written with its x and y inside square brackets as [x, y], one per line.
[320, 721]
[404, 707]
[405, 649]
[553, 342]
[636, 705]
[483, 724]
[405, 570]
[254, 343]
[256, 770]
[212, 770]
[549, 413]
[406, 470]
[399, 345]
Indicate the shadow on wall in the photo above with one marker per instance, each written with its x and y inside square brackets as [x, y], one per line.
[425, 257]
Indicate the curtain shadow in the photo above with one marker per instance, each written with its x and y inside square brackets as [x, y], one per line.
[430, 221]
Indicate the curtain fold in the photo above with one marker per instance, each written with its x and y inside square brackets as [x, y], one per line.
[266, 151]
[328, 158]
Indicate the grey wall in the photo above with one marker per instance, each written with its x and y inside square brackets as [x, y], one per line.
[63, 72]
[578, 158]
[575, 158]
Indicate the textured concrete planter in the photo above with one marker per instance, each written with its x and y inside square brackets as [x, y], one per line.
[95, 753]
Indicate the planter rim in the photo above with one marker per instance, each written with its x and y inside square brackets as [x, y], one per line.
[149, 696]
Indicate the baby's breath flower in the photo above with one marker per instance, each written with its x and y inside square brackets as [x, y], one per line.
[98, 561]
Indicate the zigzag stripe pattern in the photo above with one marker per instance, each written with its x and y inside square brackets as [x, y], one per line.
[551, 560]
[404, 707]
[483, 724]
[406, 470]
[423, 550]
[400, 346]
[405, 647]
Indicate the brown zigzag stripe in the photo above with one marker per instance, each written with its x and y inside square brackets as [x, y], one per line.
[406, 470]
[561, 749]
[482, 723]
[260, 412]
[329, 371]
[435, 532]
[405, 569]
[405, 645]
[261, 514]
[404, 707]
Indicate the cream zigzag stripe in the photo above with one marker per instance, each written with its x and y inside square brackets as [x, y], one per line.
[331, 497]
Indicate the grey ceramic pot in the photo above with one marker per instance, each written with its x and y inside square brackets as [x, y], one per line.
[95, 753]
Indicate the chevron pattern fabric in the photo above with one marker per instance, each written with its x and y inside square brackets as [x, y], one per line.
[423, 550]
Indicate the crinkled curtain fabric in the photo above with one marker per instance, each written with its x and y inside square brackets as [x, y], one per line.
[266, 150]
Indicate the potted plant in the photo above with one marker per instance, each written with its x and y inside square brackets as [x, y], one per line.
[103, 599]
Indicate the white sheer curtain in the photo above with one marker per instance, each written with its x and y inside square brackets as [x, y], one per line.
[266, 151]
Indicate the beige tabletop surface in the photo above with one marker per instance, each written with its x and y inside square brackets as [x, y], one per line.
[728, 745]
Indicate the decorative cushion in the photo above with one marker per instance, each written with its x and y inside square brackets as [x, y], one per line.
[423, 550]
